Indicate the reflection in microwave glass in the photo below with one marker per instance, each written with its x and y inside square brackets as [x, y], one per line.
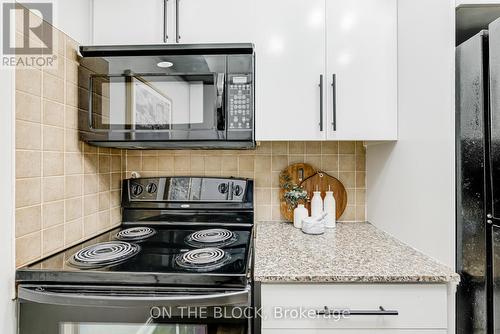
[117, 328]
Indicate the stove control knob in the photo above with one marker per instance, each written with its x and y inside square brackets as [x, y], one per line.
[137, 189]
[151, 188]
[223, 188]
[237, 190]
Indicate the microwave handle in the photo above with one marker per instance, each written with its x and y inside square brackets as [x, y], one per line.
[221, 120]
[45, 296]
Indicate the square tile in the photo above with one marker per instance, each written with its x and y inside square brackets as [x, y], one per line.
[53, 163]
[28, 220]
[53, 88]
[53, 214]
[28, 135]
[28, 192]
[297, 147]
[279, 162]
[280, 147]
[53, 188]
[53, 113]
[52, 239]
[73, 208]
[313, 147]
[28, 164]
[28, 107]
[246, 163]
[229, 163]
[73, 186]
[28, 248]
[53, 138]
[346, 147]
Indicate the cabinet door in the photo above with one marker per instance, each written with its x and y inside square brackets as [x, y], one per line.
[131, 21]
[290, 57]
[353, 331]
[361, 53]
[280, 303]
[215, 21]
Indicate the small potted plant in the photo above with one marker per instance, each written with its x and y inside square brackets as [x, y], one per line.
[295, 197]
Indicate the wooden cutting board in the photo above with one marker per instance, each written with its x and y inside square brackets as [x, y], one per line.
[323, 182]
[307, 176]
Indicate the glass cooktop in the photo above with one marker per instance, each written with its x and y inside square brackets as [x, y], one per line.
[157, 249]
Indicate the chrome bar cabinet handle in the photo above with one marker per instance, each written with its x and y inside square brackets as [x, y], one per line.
[381, 311]
[165, 21]
[321, 102]
[177, 35]
[334, 102]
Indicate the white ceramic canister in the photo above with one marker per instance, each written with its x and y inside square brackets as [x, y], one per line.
[316, 204]
[299, 213]
[330, 209]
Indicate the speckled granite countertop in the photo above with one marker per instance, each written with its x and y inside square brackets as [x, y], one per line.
[356, 252]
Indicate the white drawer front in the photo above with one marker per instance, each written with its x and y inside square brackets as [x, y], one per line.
[353, 331]
[419, 306]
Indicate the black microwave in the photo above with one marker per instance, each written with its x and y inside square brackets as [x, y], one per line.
[168, 96]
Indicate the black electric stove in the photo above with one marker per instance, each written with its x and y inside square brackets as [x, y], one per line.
[184, 245]
[176, 231]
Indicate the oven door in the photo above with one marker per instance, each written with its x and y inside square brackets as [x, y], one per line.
[119, 310]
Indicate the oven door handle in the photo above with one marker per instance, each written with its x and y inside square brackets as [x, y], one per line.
[45, 296]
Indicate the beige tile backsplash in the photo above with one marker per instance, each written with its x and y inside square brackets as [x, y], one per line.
[66, 191]
[344, 160]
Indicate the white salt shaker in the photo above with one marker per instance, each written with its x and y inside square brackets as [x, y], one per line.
[299, 213]
[330, 209]
[316, 204]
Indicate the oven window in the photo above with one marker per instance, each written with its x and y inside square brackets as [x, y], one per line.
[113, 328]
[41, 318]
[155, 102]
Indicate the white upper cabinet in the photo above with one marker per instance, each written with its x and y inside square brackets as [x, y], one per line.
[361, 63]
[352, 44]
[290, 59]
[133, 22]
[215, 21]
[173, 21]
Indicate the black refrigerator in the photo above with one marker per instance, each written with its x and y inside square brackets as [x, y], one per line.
[478, 182]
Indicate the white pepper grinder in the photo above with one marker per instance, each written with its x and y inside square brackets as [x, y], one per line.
[330, 209]
[316, 204]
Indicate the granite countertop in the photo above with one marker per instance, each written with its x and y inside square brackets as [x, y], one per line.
[355, 252]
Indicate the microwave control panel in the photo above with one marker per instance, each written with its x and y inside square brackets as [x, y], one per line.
[240, 102]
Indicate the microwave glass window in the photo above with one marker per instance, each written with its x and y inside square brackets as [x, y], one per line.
[154, 102]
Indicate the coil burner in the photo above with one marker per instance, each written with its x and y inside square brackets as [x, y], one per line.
[135, 233]
[104, 254]
[216, 237]
[203, 259]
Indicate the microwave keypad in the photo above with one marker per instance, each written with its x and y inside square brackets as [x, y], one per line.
[240, 106]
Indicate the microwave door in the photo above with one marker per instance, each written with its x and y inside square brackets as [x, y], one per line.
[156, 107]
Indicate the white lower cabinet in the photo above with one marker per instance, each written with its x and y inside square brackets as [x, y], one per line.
[292, 308]
[353, 331]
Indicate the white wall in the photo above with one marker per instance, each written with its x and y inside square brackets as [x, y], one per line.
[7, 314]
[73, 17]
[410, 183]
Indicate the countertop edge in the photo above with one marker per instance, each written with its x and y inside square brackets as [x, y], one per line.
[451, 279]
